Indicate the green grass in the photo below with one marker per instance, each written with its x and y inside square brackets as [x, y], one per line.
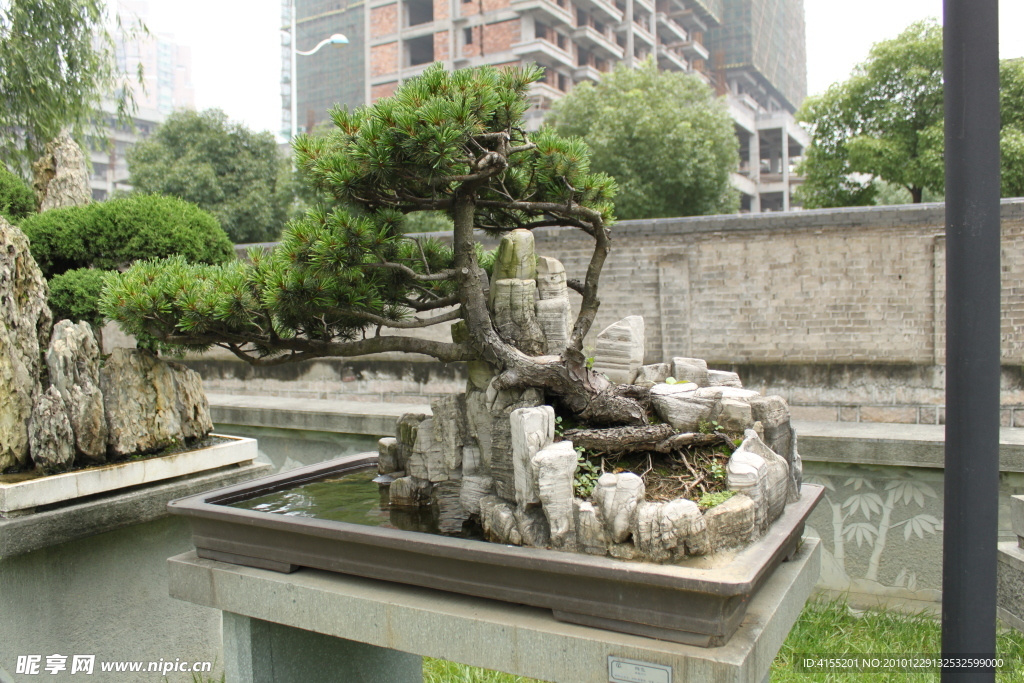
[824, 627]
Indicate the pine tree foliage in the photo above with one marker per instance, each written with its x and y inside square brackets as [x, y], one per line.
[451, 142]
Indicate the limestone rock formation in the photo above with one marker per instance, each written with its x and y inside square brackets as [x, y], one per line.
[533, 526]
[387, 455]
[427, 460]
[590, 535]
[50, 435]
[488, 420]
[620, 350]
[515, 315]
[554, 468]
[554, 313]
[499, 521]
[409, 492]
[450, 513]
[733, 415]
[150, 404]
[515, 257]
[25, 323]
[531, 429]
[762, 475]
[474, 487]
[73, 361]
[653, 374]
[617, 496]
[61, 177]
[731, 524]
[679, 405]
[449, 416]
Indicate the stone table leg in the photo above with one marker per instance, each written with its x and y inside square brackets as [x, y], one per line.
[258, 651]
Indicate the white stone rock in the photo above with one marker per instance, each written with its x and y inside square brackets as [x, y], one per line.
[721, 392]
[387, 455]
[73, 361]
[723, 378]
[427, 459]
[733, 415]
[652, 374]
[449, 418]
[762, 475]
[551, 278]
[590, 535]
[554, 468]
[446, 497]
[796, 473]
[532, 430]
[474, 487]
[50, 435]
[620, 350]
[690, 370]
[689, 527]
[499, 521]
[470, 459]
[555, 319]
[533, 526]
[682, 410]
[409, 492]
[406, 432]
[674, 389]
[139, 399]
[653, 534]
[617, 496]
[515, 257]
[515, 315]
[773, 414]
[731, 524]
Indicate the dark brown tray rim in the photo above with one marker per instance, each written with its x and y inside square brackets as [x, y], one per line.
[740, 577]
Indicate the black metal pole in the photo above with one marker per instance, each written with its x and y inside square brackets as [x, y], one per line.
[971, 66]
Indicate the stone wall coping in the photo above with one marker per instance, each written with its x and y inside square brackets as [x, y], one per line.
[909, 215]
[516, 639]
[99, 514]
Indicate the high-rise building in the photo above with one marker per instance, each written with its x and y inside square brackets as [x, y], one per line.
[760, 62]
[576, 40]
[332, 76]
[166, 87]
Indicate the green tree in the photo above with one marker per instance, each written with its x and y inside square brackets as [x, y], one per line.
[886, 124]
[223, 167]
[56, 66]
[76, 247]
[667, 140]
[453, 142]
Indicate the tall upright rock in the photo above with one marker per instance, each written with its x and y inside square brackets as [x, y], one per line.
[513, 291]
[73, 360]
[61, 177]
[25, 322]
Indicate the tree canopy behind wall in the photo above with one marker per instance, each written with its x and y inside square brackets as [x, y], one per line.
[667, 140]
[234, 173]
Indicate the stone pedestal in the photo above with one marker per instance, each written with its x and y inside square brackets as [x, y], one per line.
[258, 651]
[370, 624]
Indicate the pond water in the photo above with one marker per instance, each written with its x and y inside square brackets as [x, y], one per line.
[355, 498]
[286, 449]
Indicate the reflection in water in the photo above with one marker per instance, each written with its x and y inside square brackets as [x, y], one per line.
[353, 498]
[286, 449]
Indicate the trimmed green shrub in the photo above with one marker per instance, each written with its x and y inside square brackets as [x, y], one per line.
[16, 198]
[112, 235]
[74, 295]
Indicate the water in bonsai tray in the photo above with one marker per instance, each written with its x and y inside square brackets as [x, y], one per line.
[353, 498]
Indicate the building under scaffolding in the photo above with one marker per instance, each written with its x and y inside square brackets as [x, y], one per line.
[752, 51]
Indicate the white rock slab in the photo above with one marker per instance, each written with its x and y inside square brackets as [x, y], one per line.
[550, 279]
[70, 485]
[532, 430]
[731, 524]
[590, 536]
[682, 410]
[499, 521]
[409, 492]
[555, 319]
[427, 458]
[474, 487]
[387, 455]
[674, 389]
[690, 370]
[720, 392]
[723, 378]
[620, 350]
[554, 468]
[733, 415]
[653, 374]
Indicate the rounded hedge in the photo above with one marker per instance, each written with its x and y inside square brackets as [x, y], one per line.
[75, 294]
[111, 235]
[16, 198]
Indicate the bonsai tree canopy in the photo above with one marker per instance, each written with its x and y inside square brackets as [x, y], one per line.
[446, 141]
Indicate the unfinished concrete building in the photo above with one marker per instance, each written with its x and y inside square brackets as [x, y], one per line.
[576, 40]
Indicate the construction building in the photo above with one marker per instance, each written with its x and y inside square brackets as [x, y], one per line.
[576, 40]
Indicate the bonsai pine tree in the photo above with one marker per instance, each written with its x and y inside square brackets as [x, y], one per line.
[446, 141]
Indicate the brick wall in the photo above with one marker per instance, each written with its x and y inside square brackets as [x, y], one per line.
[441, 51]
[384, 20]
[383, 90]
[384, 59]
[840, 311]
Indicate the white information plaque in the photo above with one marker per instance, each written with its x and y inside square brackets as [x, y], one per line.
[631, 671]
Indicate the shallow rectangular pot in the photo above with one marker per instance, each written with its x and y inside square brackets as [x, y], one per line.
[700, 602]
[19, 497]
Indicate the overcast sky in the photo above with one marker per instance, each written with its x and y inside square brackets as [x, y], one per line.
[236, 61]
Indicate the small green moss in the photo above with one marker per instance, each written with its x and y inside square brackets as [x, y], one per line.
[710, 500]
